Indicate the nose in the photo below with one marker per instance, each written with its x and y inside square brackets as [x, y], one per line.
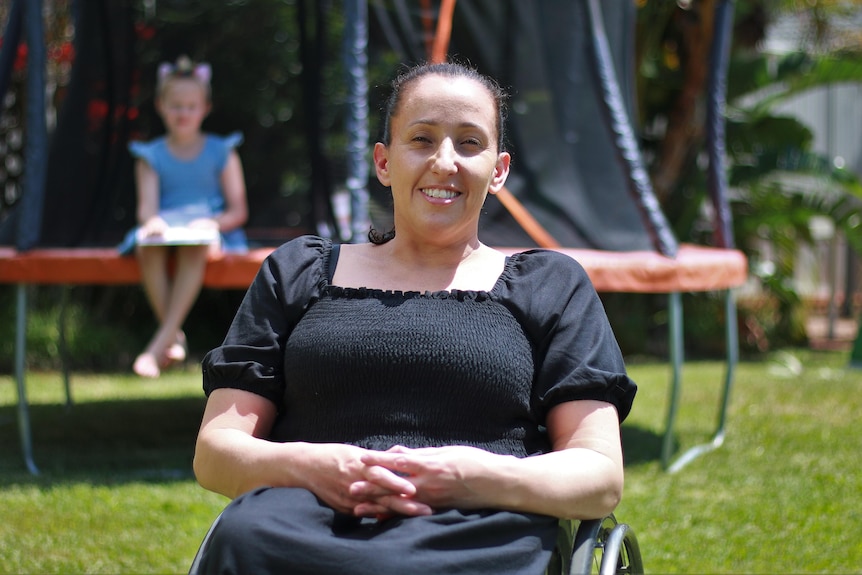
[444, 159]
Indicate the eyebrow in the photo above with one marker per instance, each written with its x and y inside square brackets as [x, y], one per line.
[428, 122]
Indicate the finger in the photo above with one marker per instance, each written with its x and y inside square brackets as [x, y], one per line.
[396, 463]
[393, 506]
[405, 506]
[366, 490]
[383, 481]
[415, 450]
[371, 509]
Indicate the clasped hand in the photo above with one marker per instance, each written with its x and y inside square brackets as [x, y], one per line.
[403, 481]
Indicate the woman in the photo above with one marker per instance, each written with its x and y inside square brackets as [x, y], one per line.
[420, 403]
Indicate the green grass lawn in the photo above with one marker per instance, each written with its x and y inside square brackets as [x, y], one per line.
[783, 495]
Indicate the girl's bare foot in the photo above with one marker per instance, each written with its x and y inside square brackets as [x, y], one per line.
[146, 365]
[178, 350]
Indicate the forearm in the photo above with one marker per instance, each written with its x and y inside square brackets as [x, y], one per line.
[231, 219]
[145, 214]
[581, 478]
[147, 186]
[573, 484]
[232, 462]
[233, 187]
[577, 482]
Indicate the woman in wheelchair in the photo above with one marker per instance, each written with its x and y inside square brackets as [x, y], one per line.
[420, 403]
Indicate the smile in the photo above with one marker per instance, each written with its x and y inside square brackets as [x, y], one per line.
[438, 193]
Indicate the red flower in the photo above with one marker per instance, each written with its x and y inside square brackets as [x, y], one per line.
[97, 110]
[64, 53]
[20, 58]
[144, 32]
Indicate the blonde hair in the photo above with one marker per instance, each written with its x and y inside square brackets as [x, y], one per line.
[185, 68]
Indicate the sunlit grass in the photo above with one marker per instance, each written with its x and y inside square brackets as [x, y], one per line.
[782, 495]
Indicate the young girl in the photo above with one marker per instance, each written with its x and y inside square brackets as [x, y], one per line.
[186, 178]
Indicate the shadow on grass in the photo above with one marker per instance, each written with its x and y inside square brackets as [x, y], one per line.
[142, 440]
[640, 445]
[107, 442]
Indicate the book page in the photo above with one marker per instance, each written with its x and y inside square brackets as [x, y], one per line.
[180, 236]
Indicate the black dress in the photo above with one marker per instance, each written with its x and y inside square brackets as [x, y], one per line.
[379, 368]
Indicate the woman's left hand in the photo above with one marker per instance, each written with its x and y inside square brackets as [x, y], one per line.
[451, 476]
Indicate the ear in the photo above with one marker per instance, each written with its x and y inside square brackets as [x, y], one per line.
[501, 172]
[381, 163]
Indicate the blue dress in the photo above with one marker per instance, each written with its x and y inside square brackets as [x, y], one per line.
[189, 189]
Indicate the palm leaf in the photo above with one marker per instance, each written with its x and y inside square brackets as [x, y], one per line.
[762, 82]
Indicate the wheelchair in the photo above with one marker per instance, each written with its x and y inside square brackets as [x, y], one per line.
[602, 546]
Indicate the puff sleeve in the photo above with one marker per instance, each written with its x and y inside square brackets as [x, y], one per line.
[145, 151]
[232, 140]
[577, 354]
[251, 357]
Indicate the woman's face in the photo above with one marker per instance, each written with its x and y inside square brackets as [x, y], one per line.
[183, 106]
[442, 159]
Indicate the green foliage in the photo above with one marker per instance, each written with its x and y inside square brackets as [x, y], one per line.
[263, 85]
[91, 340]
[794, 74]
[780, 183]
[777, 182]
[105, 327]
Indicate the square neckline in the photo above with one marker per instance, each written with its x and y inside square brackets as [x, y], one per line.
[362, 291]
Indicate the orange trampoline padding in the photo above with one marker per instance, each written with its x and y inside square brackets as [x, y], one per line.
[695, 268]
[104, 266]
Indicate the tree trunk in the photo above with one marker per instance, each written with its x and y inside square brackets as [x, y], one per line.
[685, 127]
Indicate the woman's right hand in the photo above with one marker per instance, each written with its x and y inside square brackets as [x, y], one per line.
[330, 471]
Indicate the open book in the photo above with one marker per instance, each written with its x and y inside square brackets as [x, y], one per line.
[180, 236]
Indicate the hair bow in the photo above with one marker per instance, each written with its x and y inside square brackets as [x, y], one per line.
[184, 68]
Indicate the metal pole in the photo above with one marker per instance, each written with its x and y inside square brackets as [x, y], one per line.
[356, 65]
[35, 149]
[676, 360]
[20, 369]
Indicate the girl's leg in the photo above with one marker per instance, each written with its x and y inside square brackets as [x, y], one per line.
[188, 279]
[153, 262]
[184, 289]
[178, 350]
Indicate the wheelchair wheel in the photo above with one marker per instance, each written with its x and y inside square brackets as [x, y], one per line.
[606, 547]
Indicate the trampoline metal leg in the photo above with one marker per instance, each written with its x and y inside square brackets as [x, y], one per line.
[64, 345]
[20, 356]
[732, 343]
[676, 361]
